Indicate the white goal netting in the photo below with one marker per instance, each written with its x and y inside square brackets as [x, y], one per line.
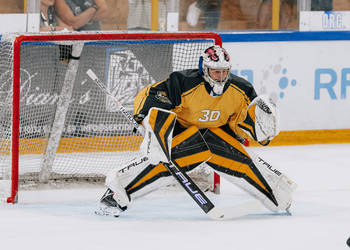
[55, 123]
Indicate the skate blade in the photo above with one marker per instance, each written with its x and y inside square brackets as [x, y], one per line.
[108, 211]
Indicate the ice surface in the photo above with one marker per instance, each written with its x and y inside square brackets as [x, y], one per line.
[167, 220]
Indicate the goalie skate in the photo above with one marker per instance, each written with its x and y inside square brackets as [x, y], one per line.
[109, 206]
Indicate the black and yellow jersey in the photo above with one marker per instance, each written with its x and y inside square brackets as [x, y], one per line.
[188, 95]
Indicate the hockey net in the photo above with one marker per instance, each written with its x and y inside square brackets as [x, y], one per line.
[56, 126]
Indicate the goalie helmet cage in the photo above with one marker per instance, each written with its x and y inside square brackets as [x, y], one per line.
[56, 125]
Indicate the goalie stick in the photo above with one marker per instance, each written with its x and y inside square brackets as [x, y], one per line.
[185, 181]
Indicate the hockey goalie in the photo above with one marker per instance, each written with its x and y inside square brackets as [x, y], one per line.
[215, 110]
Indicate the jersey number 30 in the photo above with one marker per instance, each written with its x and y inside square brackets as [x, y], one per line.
[209, 115]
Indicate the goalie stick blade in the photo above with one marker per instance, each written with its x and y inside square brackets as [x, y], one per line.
[236, 211]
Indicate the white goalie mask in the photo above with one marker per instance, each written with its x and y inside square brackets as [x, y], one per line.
[215, 58]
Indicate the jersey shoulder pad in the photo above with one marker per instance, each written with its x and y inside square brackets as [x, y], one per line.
[243, 85]
[186, 79]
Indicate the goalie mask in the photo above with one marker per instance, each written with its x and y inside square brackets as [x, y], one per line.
[216, 60]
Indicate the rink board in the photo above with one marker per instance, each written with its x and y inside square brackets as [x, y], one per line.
[307, 72]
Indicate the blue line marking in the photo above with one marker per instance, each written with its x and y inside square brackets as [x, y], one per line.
[284, 36]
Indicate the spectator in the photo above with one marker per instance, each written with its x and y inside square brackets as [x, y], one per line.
[211, 13]
[321, 5]
[82, 14]
[264, 15]
[48, 18]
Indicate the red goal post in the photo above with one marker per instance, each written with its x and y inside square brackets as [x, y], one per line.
[53, 119]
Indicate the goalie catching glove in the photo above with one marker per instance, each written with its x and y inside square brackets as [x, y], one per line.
[266, 118]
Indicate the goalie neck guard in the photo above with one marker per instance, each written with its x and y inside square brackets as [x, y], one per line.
[215, 58]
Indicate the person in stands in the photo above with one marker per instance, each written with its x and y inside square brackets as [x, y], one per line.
[82, 15]
[49, 21]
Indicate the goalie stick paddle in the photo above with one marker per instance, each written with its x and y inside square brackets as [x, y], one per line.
[185, 181]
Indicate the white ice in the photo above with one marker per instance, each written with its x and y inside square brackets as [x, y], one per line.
[167, 220]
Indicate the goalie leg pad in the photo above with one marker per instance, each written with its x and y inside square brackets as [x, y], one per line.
[189, 149]
[140, 176]
[159, 125]
[282, 186]
[136, 179]
[234, 163]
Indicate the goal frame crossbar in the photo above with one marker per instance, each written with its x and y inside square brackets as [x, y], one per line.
[13, 198]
